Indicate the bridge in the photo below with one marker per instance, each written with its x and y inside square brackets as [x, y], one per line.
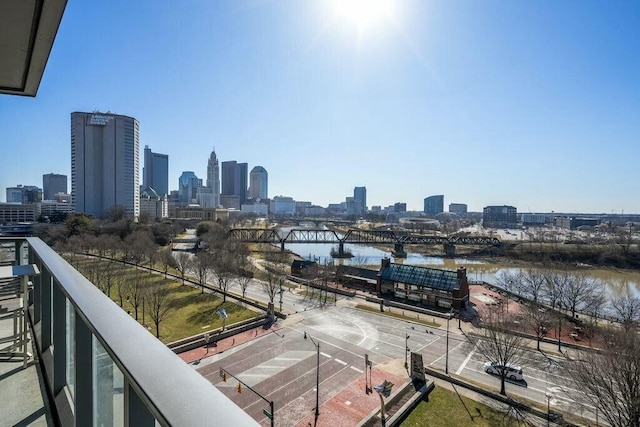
[356, 236]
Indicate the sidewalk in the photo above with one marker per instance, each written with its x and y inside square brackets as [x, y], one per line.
[224, 344]
[352, 405]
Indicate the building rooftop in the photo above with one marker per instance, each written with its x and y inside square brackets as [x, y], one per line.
[421, 276]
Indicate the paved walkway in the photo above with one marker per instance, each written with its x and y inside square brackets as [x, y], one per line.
[197, 354]
[352, 405]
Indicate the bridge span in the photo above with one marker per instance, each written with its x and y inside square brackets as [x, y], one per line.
[356, 236]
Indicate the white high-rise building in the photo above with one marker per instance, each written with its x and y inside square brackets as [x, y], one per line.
[213, 178]
[104, 163]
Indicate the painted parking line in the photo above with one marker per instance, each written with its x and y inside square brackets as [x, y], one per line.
[326, 355]
[340, 361]
[356, 369]
[466, 360]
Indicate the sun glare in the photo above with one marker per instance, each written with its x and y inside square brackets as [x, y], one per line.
[365, 14]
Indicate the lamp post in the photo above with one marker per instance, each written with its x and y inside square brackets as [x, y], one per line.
[317, 345]
[446, 357]
[406, 350]
[384, 390]
[549, 396]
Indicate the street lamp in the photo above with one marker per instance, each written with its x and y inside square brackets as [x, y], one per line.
[446, 356]
[383, 389]
[549, 396]
[406, 350]
[317, 345]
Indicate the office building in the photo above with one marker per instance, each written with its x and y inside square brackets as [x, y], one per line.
[52, 184]
[155, 173]
[458, 208]
[399, 207]
[51, 207]
[105, 163]
[213, 180]
[206, 198]
[572, 223]
[499, 217]
[230, 201]
[24, 194]
[360, 196]
[188, 185]
[433, 205]
[258, 183]
[261, 209]
[234, 180]
[282, 205]
[153, 205]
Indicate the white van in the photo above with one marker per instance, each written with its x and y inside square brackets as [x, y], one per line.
[513, 372]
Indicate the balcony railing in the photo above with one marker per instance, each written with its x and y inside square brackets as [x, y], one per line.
[101, 367]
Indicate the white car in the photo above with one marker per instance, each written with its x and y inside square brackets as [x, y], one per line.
[512, 372]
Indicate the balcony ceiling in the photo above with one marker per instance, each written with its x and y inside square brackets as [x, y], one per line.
[27, 31]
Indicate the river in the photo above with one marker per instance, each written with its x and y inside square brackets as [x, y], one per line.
[618, 282]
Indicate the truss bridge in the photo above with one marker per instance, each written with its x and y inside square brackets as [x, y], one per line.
[355, 236]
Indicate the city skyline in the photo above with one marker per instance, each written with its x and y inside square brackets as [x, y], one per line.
[530, 105]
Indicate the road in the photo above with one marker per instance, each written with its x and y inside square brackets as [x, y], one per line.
[282, 365]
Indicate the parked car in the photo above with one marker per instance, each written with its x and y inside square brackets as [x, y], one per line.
[513, 372]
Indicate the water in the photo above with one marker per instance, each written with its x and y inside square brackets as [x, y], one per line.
[617, 282]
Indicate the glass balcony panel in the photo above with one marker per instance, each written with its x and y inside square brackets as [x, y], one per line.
[108, 389]
[71, 348]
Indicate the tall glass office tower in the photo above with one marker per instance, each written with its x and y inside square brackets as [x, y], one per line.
[155, 173]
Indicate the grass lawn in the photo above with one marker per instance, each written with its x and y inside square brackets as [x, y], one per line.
[191, 312]
[445, 409]
[399, 316]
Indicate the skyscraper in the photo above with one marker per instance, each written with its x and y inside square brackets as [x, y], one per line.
[53, 183]
[258, 183]
[104, 163]
[188, 185]
[360, 195]
[213, 177]
[433, 205]
[155, 173]
[234, 180]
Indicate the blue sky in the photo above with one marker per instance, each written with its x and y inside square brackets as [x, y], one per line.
[531, 104]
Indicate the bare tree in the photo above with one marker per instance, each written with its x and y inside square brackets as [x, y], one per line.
[539, 320]
[497, 343]
[203, 265]
[359, 261]
[273, 284]
[555, 285]
[159, 302]
[166, 259]
[223, 271]
[610, 379]
[627, 310]
[135, 290]
[532, 283]
[120, 285]
[184, 263]
[578, 291]
[509, 281]
[106, 275]
[243, 273]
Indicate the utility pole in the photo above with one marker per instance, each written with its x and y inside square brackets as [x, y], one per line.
[446, 358]
[406, 350]
[317, 345]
